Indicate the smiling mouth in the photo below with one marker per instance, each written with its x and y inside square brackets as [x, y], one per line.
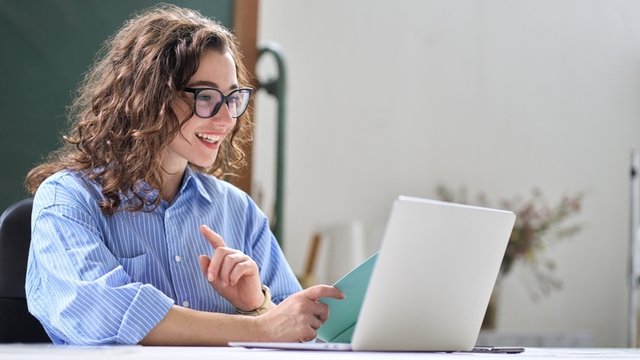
[210, 138]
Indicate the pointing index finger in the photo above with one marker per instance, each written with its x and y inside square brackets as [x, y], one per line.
[214, 239]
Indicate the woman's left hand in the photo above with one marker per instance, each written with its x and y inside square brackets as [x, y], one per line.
[232, 273]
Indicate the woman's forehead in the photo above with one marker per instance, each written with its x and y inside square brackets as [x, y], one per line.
[215, 69]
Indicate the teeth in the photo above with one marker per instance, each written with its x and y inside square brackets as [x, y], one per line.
[208, 137]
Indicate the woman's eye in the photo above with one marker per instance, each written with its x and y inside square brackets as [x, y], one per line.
[235, 99]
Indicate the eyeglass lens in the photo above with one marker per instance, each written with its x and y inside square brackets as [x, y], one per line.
[209, 101]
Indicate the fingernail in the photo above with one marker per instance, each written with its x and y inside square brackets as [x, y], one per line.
[210, 277]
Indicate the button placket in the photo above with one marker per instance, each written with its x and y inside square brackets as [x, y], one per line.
[174, 244]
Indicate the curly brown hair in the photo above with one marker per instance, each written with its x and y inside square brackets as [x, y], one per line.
[122, 119]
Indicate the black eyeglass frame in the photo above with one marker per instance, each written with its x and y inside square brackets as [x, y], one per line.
[224, 98]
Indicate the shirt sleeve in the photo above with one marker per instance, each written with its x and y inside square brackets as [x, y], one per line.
[275, 271]
[75, 286]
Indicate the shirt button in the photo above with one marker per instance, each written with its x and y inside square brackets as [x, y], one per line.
[178, 258]
[185, 303]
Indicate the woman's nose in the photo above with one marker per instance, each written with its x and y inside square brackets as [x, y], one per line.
[224, 114]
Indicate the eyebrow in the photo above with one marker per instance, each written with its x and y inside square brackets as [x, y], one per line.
[211, 84]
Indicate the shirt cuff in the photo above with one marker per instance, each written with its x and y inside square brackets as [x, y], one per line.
[148, 308]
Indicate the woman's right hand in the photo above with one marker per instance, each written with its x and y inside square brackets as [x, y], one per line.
[299, 316]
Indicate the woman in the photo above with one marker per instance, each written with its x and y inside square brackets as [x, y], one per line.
[133, 238]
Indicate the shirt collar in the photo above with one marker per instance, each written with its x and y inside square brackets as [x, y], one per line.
[190, 177]
[144, 189]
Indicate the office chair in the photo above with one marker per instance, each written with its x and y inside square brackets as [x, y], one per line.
[16, 323]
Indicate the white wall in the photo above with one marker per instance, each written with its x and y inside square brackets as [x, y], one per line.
[395, 97]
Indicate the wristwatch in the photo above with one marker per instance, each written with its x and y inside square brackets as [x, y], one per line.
[266, 304]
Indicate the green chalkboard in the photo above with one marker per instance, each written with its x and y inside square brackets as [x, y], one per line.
[45, 48]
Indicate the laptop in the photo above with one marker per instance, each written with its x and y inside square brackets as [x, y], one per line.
[426, 289]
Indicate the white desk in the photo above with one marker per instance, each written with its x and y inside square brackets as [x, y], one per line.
[51, 352]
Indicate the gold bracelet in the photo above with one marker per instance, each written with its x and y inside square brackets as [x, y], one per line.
[266, 304]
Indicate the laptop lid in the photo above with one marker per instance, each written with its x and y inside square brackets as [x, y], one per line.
[433, 277]
[428, 286]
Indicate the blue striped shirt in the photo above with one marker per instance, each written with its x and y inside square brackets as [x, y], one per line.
[105, 279]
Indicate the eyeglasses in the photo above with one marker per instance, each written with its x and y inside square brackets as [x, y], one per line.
[208, 101]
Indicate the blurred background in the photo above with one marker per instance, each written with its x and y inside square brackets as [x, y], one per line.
[497, 97]
[493, 98]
